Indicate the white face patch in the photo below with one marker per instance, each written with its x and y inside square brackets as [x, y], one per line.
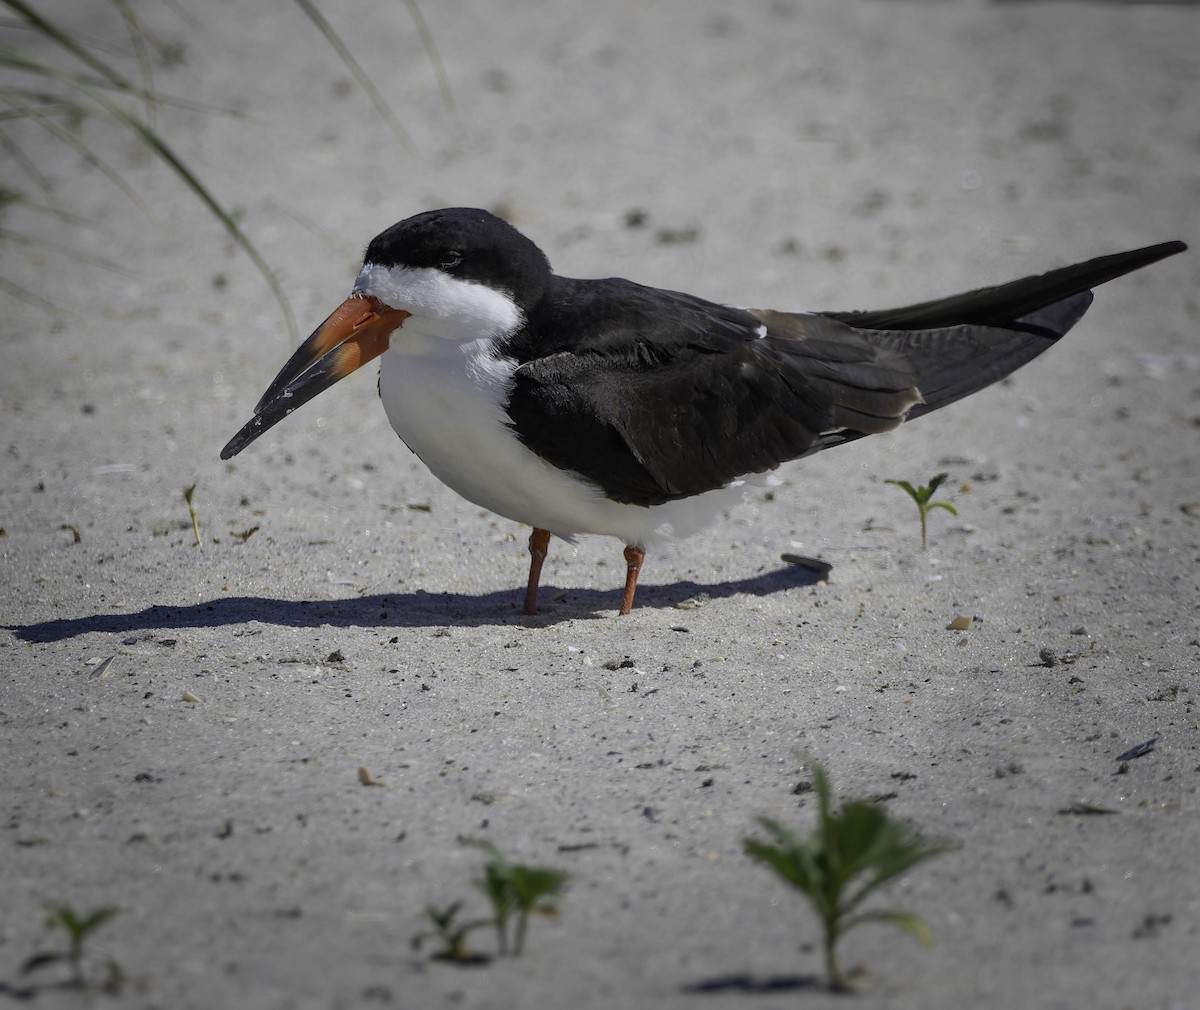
[441, 305]
[761, 332]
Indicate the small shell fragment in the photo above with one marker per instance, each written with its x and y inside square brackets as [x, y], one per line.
[1140, 750]
[367, 779]
[102, 669]
[189, 697]
[960, 623]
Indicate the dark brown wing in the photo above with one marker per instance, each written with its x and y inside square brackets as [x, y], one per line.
[654, 406]
[655, 395]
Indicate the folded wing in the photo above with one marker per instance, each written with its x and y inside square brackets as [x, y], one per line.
[654, 406]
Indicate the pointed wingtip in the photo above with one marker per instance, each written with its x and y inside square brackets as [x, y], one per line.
[1093, 273]
[1000, 304]
[1151, 253]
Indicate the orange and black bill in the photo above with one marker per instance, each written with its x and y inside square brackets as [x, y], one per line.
[358, 331]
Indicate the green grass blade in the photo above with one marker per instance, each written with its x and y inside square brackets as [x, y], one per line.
[82, 149]
[181, 12]
[161, 149]
[55, 34]
[27, 296]
[360, 75]
[13, 150]
[137, 39]
[431, 51]
[13, 59]
[19, 238]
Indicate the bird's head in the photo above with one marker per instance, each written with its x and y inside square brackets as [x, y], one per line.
[457, 274]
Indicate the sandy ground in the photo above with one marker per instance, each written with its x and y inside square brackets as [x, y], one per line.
[849, 154]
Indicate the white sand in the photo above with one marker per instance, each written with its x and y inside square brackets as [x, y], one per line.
[847, 154]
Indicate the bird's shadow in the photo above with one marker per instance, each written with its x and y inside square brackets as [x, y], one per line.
[405, 610]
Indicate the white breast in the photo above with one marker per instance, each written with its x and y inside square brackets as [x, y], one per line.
[446, 400]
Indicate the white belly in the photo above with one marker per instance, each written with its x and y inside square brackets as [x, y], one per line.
[446, 400]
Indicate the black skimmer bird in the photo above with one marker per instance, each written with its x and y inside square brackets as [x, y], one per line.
[608, 407]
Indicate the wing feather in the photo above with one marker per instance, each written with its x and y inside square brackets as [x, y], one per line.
[653, 407]
[657, 395]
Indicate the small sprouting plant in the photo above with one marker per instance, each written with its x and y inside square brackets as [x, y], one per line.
[78, 929]
[452, 935]
[922, 495]
[513, 889]
[853, 852]
[188, 494]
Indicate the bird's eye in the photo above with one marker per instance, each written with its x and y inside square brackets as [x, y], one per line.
[450, 259]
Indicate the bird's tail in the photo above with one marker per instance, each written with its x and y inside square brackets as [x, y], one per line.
[965, 342]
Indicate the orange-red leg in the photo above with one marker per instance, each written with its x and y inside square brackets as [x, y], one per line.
[539, 543]
[634, 556]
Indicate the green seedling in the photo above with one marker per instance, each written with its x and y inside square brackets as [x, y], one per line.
[516, 890]
[188, 493]
[78, 929]
[453, 936]
[853, 852]
[922, 495]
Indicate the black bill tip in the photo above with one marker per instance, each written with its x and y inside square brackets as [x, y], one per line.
[250, 431]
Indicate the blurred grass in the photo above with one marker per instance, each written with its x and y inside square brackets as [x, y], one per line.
[90, 82]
